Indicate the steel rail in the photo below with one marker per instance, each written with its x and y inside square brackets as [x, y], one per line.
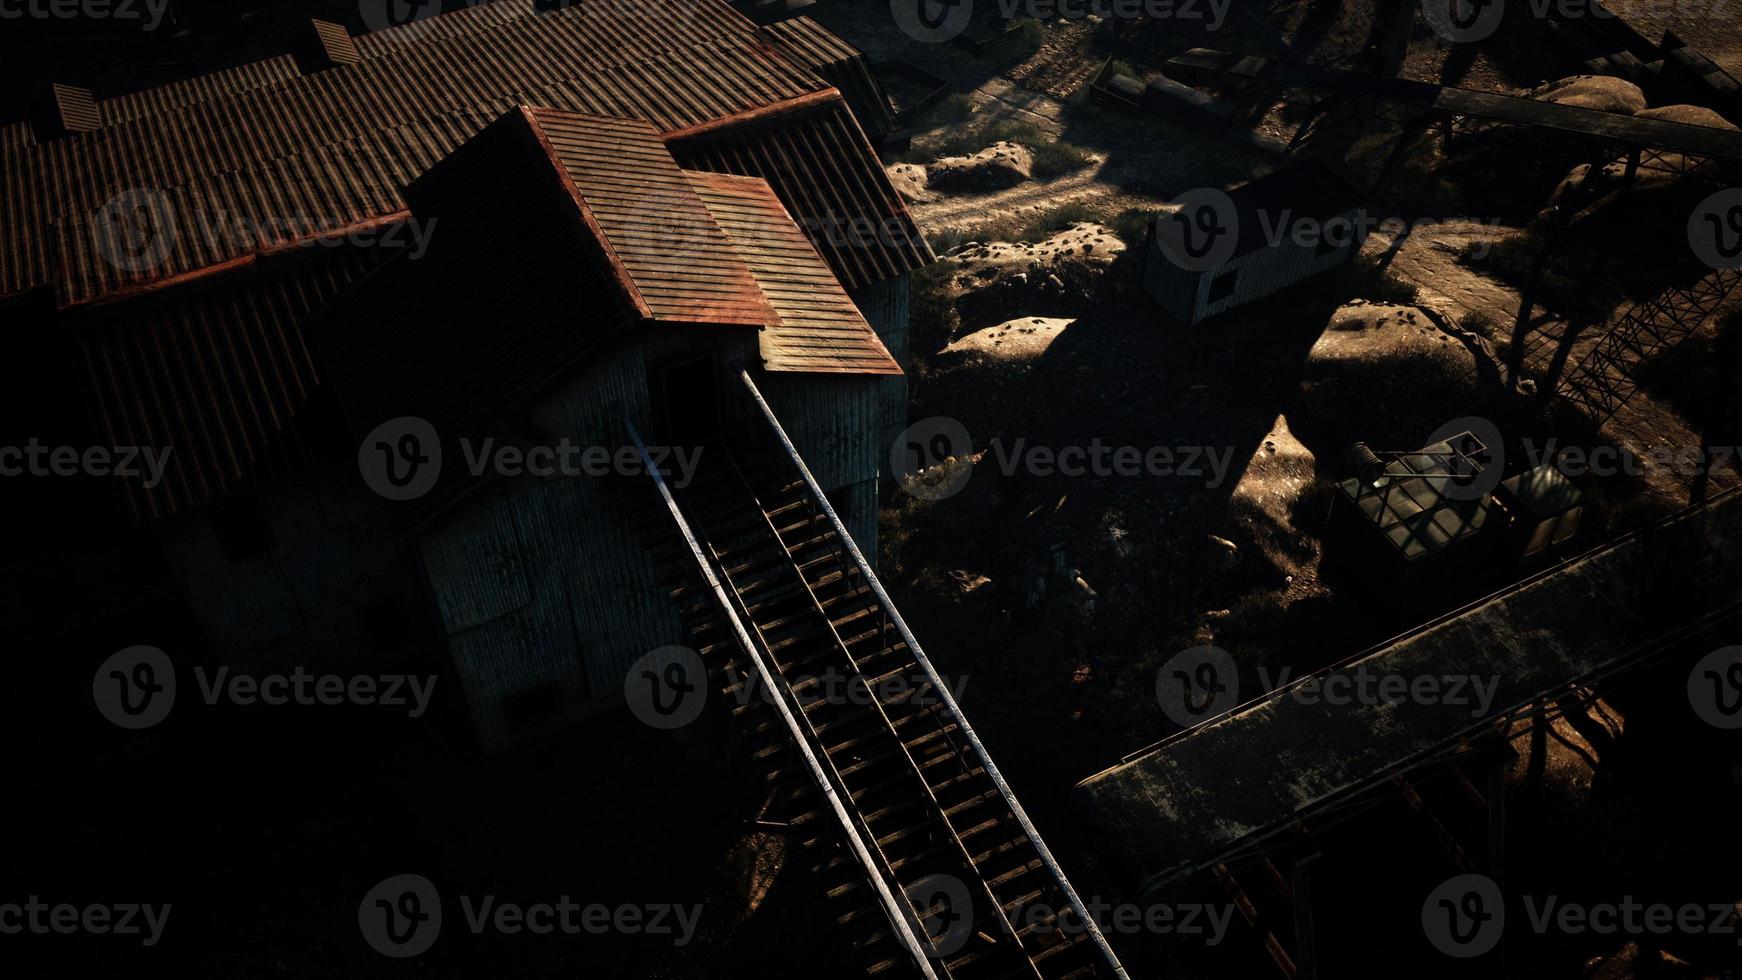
[891, 908]
[1089, 924]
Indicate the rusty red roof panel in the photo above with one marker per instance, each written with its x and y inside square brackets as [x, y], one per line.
[673, 259]
[263, 154]
[819, 164]
[817, 328]
[214, 373]
[841, 65]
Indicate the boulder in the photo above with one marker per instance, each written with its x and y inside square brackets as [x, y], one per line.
[1593, 92]
[995, 168]
[911, 182]
[1691, 115]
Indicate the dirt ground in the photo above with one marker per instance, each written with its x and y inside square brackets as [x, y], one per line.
[1058, 597]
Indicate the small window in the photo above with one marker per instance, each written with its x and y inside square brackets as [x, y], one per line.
[532, 707]
[241, 526]
[1222, 286]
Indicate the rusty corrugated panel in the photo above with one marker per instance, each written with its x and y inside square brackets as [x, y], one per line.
[334, 45]
[215, 373]
[820, 166]
[74, 109]
[841, 65]
[819, 330]
[205, 88]
[670, 255]
[676, 69]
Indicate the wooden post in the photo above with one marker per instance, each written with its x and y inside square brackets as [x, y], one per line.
[1632, 165]
[1305, 942]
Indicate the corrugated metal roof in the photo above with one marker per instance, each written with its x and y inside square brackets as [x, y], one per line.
[844, 66]
[816, 159]
[817, 328]
[671, 256]
[264, 149]
[214, 373]
[244, 165]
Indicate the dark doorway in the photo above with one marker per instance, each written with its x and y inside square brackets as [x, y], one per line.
[687, 401]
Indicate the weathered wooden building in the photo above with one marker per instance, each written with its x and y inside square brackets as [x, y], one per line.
[523, 228]
[1264, 236]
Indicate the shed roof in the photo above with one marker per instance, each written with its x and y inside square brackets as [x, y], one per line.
[816, 328]
[1411, 504]
[1306, 188]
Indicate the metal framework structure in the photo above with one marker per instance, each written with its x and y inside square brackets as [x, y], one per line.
[1606, 378]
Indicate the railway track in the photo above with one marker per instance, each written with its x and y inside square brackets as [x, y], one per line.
[927, 836]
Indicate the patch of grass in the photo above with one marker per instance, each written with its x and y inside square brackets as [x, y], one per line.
[1480, 323]
[953, 108]
[1370, 282]
[1132, 226]
[932, 315]
[1055, 159]
[1018, 228]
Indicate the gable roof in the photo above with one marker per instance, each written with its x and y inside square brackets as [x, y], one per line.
[815, 327]
[664, 249]
[265, 156]
[195, 337]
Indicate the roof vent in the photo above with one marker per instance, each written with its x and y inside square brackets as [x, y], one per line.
[327, 45]
[65, 110]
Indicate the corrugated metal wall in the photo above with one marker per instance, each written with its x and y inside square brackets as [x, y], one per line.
[555, 584]
[887, 306]
[833, 421]
[1175, 288]
[302, 601]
